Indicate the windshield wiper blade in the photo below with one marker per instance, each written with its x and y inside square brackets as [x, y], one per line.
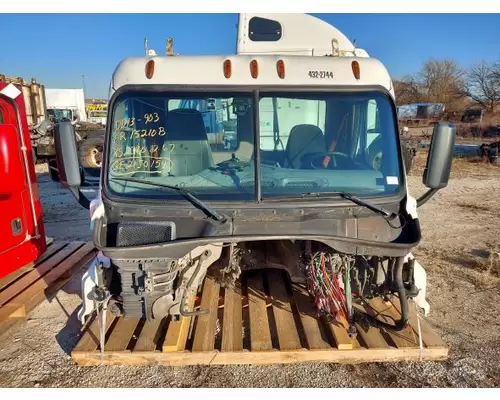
[354, 199]
[191, 197]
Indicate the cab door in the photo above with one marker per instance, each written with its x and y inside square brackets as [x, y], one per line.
[13, 216]
[21, 217]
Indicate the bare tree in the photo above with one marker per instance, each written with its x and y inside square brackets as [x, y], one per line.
[438, 81]
[442, 81]
[407, 90]
[483, 85]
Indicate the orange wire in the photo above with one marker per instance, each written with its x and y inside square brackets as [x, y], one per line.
[330, 286]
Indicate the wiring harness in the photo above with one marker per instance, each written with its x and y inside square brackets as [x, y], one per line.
[324, 286]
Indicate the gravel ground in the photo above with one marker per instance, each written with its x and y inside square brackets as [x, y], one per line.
[460, 251]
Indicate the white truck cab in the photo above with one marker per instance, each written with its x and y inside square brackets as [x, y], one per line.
[293, 138]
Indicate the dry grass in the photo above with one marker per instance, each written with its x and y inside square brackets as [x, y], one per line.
[476, 207]
[489, 266]
[461, 168]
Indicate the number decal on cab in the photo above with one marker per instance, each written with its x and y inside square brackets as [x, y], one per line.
[320, 74]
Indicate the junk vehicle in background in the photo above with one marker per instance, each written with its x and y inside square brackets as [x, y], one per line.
[21, 220]
[66, 104]
[420, 114]
[315, 175]
[46, 107]
[97, 113]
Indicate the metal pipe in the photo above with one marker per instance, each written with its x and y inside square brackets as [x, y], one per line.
[426, 196]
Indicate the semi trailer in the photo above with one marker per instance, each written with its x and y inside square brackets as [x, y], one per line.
[315, 169]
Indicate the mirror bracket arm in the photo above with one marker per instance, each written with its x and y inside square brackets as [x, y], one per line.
[82, 199]
[426, 196]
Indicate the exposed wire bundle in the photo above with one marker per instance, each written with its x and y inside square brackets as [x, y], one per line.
[323, 285]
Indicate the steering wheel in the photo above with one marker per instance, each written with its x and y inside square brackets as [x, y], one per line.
[316, 160]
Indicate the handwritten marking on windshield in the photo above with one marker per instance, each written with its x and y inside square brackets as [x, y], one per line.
[144, 164]
[125, 123]
[151, 117]
[143, 133]
[138, 150]
[130, 122]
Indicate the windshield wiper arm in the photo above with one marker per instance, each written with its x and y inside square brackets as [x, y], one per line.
[191, 197]
[354, 199]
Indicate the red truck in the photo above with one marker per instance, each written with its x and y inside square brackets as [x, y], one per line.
[21, 224]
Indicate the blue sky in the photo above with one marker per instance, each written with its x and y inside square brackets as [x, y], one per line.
[57, 49]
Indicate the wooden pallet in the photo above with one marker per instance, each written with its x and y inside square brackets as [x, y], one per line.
[256, 323]
[24, 289]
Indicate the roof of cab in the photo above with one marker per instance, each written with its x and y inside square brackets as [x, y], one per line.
[208, 70]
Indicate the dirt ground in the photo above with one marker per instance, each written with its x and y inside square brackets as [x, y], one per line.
[460, 251]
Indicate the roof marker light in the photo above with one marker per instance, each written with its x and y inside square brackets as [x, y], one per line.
[280, 67]
[227, 68]
[150, 69]
[254, 69]
[355, 69]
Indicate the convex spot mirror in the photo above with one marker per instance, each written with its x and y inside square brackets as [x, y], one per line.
[440, 157]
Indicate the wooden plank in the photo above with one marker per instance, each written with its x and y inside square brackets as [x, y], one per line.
[339, 334]
[354, 342]
[121, 334]
[53, 249]
[370, 334]
[430, 337]
[147, 340]
[203, 352]
[288, 336]
[37, 272]
[354, 356]
[386, 312]
[89, 342]
[43, 288]
[260, 334]
[232, 337]
[13, 311]
[314, 331]
[177, 331]
[9, 279]
[204, 335]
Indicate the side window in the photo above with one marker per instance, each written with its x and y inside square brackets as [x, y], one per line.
[264, 30]
[283, 114]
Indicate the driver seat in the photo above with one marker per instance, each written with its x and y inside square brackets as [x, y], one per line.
[186, 143]
[303, 139]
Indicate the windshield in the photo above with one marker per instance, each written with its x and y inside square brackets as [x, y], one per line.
[60, 115]
[204, 142]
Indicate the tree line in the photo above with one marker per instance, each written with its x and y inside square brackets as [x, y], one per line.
[443, 81]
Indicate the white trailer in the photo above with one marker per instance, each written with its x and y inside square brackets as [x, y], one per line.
[66, 103]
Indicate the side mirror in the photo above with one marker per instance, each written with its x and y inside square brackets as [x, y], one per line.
[438, 167]
[68, 164]
[12, 172]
